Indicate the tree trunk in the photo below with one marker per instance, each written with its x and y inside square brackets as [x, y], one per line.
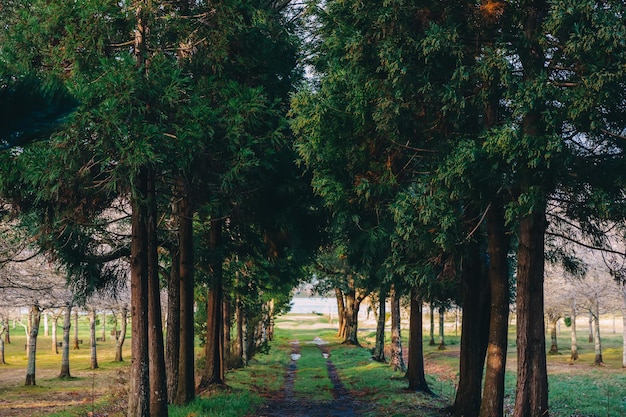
[597, 342]
[415, 372]
[119, 340]
[46, 331]
[431, 342]
[76, 344]
[341, 311]
[139, 392]
[397, 357]
[7, 335]
[186, 371]
[65, 348]
[442, 340]
[574, 344]
[240, 323]
[590, 327]
[226, 314]
[532, 378]
[245, 344]
[4, 327]
[172, 344]
[103, 334]
[92, 340]
[379, 348]
[156, 354]
[351, 314]
[492, 405]
[623, 326]
[474, 334]
[214, 355]
[35, 317]
[554, 344]
[53, 339]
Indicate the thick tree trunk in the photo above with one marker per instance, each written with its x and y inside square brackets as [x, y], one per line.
[186, 371]
[341, 312]
[573, 336]
[35, 317]
[65, 347]
[415, 372]
[442, 340]
[214, 355]
[119, 340]
[397, 356]
[172, 344]
[492, 404]
[379, 348]
[156, 354]
[93, 364]
[532, 379]
[351, 314]
[139, 392]
[474, 335]
[76, 344]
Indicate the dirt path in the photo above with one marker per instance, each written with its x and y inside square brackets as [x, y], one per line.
[288, 404]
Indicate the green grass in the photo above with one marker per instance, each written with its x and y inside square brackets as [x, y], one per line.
[579, 388]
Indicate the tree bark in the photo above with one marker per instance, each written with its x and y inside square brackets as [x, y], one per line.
[573, 336]
[76, 344]
[397, 356]
[415, 372]
[442, 340]
[431, 342]
[492, 404]
[214, 355]
[379, 347]
[554, 344]
[186, 370]
[172, 344]
[341, 312]
[119, 339]
[226, 314]
[156, 355]
[597, 342]
[53, 339]
[139, 392]
[351, 314]
[4, 326]
[65, 348]
[474, 334]
[93, 363]
[532, 379]
[35, 317]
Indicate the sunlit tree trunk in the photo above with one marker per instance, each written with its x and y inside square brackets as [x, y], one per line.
[597, 342]
[553, 318]
[119, 339]
[76, 344]
[92, 339]
[397, 359]
[442, 340]
[53, 339]
[34, 319]
[341, 311]
[574, 342]
[379, 348]
[65, 348]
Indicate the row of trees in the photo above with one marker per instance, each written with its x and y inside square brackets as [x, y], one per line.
[447, 143]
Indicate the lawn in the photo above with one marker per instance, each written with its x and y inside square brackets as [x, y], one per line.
[576, 389]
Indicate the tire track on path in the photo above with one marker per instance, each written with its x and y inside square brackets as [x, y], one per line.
[287, 404]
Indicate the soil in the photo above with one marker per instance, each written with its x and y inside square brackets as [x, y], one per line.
[287, 404]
